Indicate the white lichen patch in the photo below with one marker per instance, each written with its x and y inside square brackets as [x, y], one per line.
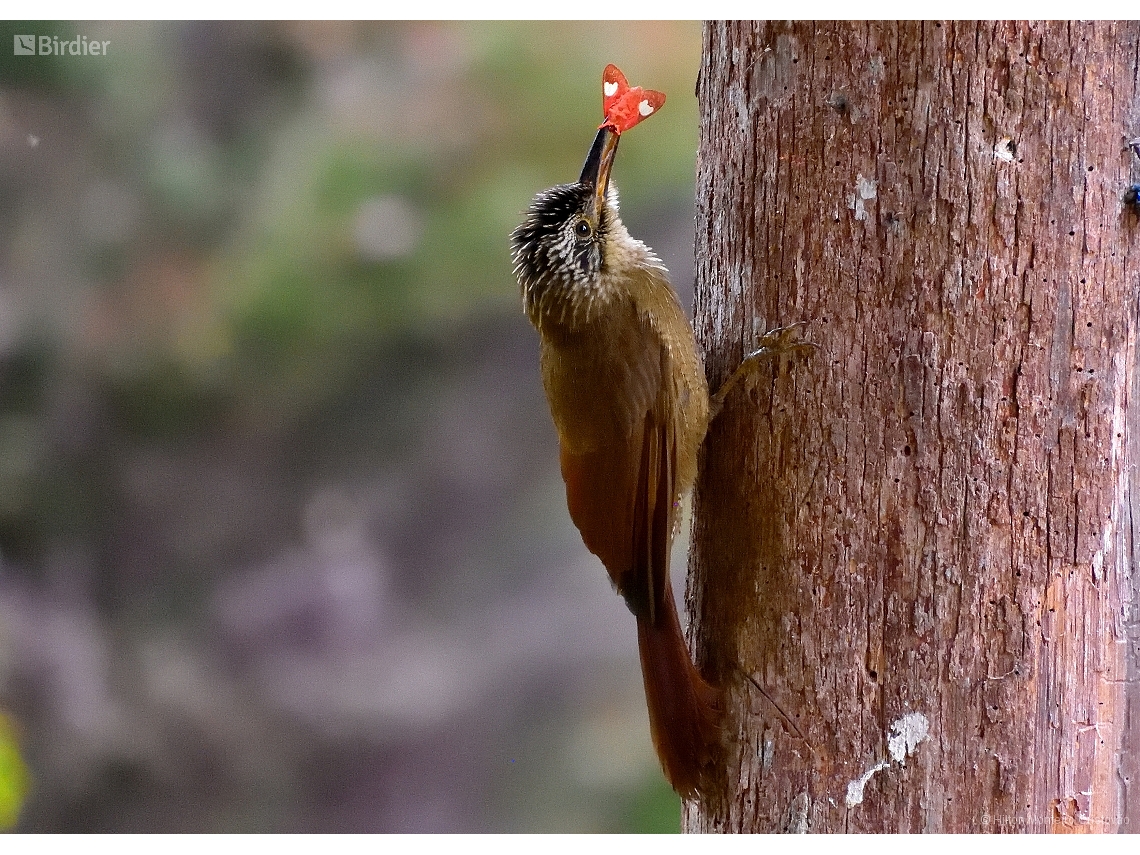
[1005, 150]
[865, 188]
[906, 733]
[855, 788]
[903, 737]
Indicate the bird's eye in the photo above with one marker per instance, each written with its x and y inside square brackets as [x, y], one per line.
[582, 229]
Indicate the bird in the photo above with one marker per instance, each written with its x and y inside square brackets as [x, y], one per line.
[630, 403]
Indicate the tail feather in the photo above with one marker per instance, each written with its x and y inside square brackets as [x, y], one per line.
[684, 717]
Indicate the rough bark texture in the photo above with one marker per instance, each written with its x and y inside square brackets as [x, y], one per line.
[919, 540]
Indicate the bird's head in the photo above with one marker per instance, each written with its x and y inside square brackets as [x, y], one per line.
[559, 250]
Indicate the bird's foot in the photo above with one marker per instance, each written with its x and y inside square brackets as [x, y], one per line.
[780, 342]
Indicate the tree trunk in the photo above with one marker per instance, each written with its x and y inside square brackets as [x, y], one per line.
[918, 541]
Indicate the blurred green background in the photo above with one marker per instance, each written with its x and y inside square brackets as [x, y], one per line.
[283, 542]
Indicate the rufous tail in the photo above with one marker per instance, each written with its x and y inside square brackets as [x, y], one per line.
[684, 713]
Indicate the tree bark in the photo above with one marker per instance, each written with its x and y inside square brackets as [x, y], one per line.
[918, 541]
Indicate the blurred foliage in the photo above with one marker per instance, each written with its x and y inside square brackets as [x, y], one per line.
[268, 244]
[655, 810]
[14, 777]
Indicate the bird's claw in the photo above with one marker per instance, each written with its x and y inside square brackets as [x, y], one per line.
[783, 340]
[780, 342]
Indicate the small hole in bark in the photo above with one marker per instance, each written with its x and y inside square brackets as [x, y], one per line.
[906, 451]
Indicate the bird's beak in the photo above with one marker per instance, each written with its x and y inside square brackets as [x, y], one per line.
[596, 170]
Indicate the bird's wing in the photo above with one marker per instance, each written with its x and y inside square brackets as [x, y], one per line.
[684, 716]
[653, 517]
[620, 493]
